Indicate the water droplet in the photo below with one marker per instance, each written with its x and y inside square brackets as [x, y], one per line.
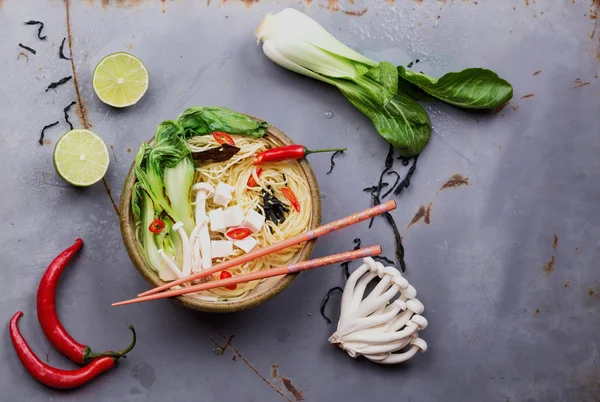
[328, 115]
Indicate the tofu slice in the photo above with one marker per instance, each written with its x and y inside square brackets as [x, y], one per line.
[233, 216]
[246, 244]
[217, 220]
[221, 248]
[222, 194]
[254, 221]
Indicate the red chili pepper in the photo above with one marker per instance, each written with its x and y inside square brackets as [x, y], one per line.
[57, 378]
[288, 152]
[223, 138]
[156, 226]
[289, 194]
[225, 275]
[46, 311]
[251, 181]
[238, 233]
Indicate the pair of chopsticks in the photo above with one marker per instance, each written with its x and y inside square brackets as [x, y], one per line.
[163, 291]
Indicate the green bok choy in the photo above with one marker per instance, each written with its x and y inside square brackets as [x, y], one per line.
[384, 93]
[165, 171]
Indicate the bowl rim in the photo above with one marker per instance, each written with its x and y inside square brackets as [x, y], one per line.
[128, 236]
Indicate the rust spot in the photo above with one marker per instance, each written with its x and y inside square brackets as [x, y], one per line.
[249, 3]
[593, 15]
[105, 4]
[592, 292]
[567, 285]
[526, 2]
[456, 180]
[549, 267]
[47, 141]
[555, 242]
[180, 93]
[527, 96]
[499, 108]
[355, 13]
[26, 57]
[275, 370]
[128, 150]
[579, 83]
[515, 107]
[351, 1]
[593, 33]
[537, 312]
[164, 6]
[333, 5]
[114, 153]
[422, 213]
[476, 3]
[297, 394]
[129, 46]
[537, 72]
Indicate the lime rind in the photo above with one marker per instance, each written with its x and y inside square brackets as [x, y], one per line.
[81, 158]
[120, 79]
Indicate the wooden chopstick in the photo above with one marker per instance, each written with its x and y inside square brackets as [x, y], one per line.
[301, 238]
[284, 270]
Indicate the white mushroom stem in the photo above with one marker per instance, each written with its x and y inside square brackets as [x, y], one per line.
[418, 345]
[203, 191]
[186, 249]
[170, 264]
[372, 326]
[195, 244]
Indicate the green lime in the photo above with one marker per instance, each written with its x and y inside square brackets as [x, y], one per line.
[81, 158]
[120, 79]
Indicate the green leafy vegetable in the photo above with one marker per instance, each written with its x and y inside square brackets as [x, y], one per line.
[202, 120]
[473, 88]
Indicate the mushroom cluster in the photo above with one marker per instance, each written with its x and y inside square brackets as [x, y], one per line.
[378, 327]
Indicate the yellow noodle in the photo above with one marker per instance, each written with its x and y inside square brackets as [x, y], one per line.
[236, 172]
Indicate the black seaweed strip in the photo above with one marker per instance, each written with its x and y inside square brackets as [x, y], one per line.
[398, 239]
[389, 163]
[59, 82]
[396, 182]
[332, 162]
[406, 182]
[41, 141]
[327, 300]
[27, 48]
[61, 53]
[39, 33]
[66, 110]
[383, 258]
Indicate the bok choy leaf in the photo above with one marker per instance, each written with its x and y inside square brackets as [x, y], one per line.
[203, 120]
[473, 88]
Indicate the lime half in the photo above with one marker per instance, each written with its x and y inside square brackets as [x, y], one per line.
[120, 79]
[81, 158]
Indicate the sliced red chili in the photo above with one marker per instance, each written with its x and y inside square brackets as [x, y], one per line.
[156, 226]
[251, 181]
[238, 233]
[227, 275]
[289, 194]
[223, 138]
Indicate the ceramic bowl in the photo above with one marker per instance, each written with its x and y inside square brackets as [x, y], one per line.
[263, 292]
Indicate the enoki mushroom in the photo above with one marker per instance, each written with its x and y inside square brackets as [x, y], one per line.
[382, 330]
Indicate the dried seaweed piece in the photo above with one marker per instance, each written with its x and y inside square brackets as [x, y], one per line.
[383, 258]
[66, 110]
[394, 185]
[59, 82]
[326, 300]
[61, 53]
[406, 182]
[215, 155]
[41, 141]
[39, 33]
[27, 48]
[332, 162]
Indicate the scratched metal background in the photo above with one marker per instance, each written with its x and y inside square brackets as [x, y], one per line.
[502, 328]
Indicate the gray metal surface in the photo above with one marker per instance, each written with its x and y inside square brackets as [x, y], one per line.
[501, 327]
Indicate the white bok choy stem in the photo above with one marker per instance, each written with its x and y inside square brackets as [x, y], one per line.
[186, 249]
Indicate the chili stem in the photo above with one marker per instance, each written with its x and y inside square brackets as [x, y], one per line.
[124, 352]
[316, 151]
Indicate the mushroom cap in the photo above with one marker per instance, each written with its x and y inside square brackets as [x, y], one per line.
[207, 188]
[177, 226]
[420, 343]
